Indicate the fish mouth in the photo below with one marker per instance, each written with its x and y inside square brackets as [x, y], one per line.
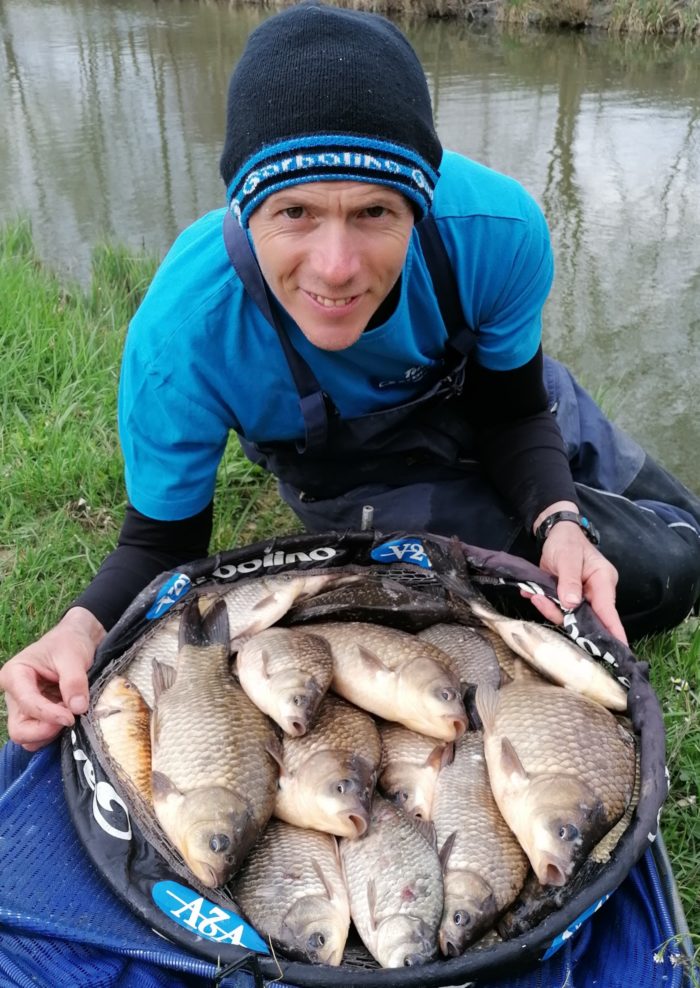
[551, 873]
[448, 947]
[207, 875]
[296, 728]
[359, 823]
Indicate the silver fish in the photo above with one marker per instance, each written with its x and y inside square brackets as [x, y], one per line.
[472, 653]
[256, 603]
[409, 768]
[396, 676]
[394, 882]
[291, 889]
[214, 767]
[484, 866]
[561, 770]
[286, 674]
[555, 656]
[327, 776]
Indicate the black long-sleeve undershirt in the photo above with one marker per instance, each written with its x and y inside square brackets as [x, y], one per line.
[145, 548]
[518, 439]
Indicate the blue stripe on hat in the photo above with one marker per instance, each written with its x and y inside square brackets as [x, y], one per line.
[327, 157]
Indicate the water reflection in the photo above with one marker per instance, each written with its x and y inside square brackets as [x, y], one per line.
[113, 118]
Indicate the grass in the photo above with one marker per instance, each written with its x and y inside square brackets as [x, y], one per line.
[63, 493]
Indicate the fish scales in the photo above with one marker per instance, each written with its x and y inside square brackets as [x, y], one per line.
[161, 645]
[554, 655]
[204, 714]
[124, 721]
[474, 656]
[397, 676]
[561, 767]
[328, 775]
[214, 774]
[291, 888]
[256, 603]
[286, 673]
[409, 768]
[485, 867]
[394, 882]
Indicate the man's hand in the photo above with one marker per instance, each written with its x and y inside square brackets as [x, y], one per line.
[46, 683]
[580, 571]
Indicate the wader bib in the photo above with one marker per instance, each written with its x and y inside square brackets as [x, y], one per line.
[416, 463]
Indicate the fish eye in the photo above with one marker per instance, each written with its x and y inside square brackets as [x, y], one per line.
[568, 832]
[297, 700]
[401, 796]
[344, 785]
[461, 918]
[316, 940]
[448, 694]
[219, 843]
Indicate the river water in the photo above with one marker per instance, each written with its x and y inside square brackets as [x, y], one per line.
[111, 116]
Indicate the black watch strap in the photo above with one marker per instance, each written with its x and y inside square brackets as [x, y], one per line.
[587, 526]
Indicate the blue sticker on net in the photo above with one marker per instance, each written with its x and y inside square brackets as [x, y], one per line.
[193, 912]
[169, 594]
[560, 940]
[406, 550]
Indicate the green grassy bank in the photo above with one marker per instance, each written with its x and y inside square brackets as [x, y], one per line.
[63, 495]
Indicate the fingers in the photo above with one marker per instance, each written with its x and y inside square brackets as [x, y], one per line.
[582, 571]
[29, 732]
[547, 608]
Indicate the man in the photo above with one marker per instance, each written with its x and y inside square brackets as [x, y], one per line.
[366, 355]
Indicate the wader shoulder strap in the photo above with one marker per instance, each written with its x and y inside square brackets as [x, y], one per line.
[462, 337]
[314, 403]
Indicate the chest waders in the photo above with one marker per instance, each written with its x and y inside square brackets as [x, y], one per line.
[416, 464]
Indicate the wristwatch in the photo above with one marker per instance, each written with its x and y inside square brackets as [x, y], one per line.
[587, 526]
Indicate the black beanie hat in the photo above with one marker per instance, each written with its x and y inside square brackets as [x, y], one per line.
[322, 93]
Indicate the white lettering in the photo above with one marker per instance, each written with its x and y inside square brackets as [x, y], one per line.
[193, 907]
[280, 558]
[296, 557]
[104, 795]
[324, 553]
[250, 566]
[104, 798]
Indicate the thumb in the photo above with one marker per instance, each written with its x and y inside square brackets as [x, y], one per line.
[73, 684]
[570, 592]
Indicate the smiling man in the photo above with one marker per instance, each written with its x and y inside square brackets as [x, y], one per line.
[366, 316]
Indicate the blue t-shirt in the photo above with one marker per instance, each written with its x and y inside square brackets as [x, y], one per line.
[200, 359]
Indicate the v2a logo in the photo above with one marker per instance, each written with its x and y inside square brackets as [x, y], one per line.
[108, 808]
[169, 594]
[406, 550]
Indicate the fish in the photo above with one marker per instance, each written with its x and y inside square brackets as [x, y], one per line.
[161, 644]
[327, 777]
[396, 676]
[474, 656]
[124, 719]
[214, 753]
[286, 673]
[380, 600]
[554, 655]
[409, 768]
[535, 902]
[394, 883]
[561, 770]
[291, 889]
[256, 603]
[483, 865]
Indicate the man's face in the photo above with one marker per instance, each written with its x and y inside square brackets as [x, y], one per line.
[331, 252]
